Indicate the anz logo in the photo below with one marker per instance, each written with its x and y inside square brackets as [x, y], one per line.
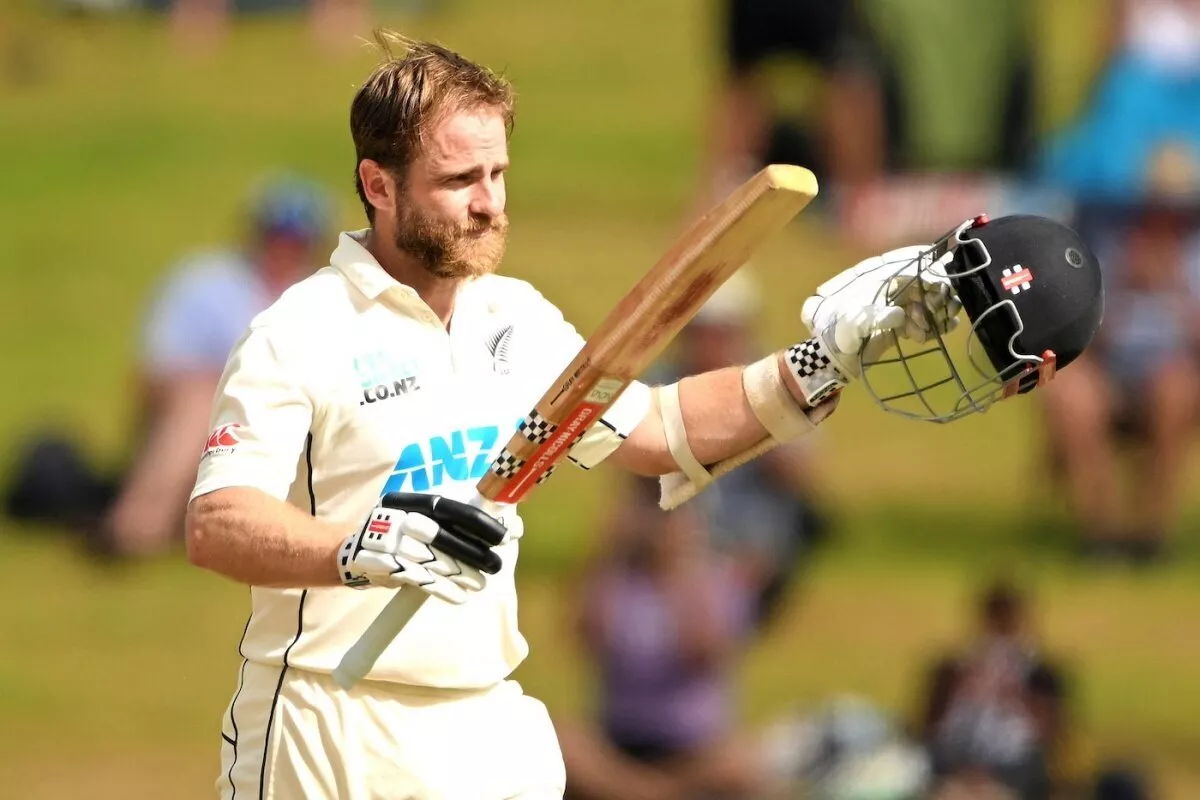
[463, 455]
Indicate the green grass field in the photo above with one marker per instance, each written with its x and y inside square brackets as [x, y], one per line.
[116, 158]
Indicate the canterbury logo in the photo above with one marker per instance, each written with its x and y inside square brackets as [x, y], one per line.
[223, 439]
[498, 345]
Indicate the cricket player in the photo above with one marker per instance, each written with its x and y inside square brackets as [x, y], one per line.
[402, 367]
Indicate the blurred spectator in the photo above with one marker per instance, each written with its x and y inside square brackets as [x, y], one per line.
[1133, 162]
[995, 714]
[1140, 133]
[1122, 782]
[665, 620]
[200, 25]
[764, 514]
[966, 105]
[906, 139]
[846, 748]
[852, 89]
[1139, 383]
[790, 92]
[202, 309]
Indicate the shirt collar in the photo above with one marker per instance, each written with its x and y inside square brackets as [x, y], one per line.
[359, 267]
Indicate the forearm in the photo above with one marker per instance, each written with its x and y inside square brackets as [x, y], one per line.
[716, 415]
[253, 538]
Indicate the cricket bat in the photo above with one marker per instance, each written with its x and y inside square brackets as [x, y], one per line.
[633, 334]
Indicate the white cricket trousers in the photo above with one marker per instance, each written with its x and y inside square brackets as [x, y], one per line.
[295, 735]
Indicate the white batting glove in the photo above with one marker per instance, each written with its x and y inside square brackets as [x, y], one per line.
[398, 548]
[854, 314]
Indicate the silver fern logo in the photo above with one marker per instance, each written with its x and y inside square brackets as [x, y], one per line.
[498, 344]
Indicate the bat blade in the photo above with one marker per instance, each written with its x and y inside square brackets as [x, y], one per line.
[633, 334]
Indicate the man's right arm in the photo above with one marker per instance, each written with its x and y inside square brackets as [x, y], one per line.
[238, 521]
[251, 537]
[239, 524]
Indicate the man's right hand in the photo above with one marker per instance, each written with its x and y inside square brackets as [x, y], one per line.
[444, 547]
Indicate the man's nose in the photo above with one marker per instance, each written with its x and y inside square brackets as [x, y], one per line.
[488, 199]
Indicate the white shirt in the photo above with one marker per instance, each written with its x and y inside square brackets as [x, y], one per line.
[348, 387]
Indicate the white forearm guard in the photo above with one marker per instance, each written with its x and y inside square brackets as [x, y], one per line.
[773, 406]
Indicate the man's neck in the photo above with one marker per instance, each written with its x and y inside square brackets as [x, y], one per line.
[438, 293]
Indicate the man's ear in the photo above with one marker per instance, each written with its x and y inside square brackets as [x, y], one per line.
[378, 185]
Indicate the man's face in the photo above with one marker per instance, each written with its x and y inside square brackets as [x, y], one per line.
[451, 212]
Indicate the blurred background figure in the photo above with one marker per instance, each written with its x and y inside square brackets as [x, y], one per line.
[845, 748]
[791, 91]
[851, 89]
[202, 25]
[966, 105]
[765, 515]
[665, 621]
[995, 716]
[202, 308]
[1137, 389]
[1132, 160]
[907, 140]
[1123, 783]
[1140, 132]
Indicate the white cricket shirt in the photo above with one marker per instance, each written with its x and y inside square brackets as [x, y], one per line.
[348, 387]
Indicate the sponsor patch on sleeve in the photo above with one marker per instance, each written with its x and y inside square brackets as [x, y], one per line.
[222, 441]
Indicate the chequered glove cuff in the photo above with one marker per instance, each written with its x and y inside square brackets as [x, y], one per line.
[812, 368]
[355, 580]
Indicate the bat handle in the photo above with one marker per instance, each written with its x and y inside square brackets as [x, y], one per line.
[362, 655]
[359, 659]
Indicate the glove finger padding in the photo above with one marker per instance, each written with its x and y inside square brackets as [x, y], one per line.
[406, 568]
[893, 262]
[442, 564]
[852, 330]
[420, 528]
[464, 518]
[808, 312]
[467, 550]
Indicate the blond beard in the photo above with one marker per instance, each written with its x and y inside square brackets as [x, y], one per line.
[447, 250]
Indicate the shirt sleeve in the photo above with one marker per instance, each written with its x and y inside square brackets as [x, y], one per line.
[260, 421]
[616, 423]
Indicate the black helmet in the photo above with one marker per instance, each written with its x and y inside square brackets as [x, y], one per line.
[1033, 292]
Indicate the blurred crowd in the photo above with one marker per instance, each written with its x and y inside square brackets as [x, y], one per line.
[882, 99]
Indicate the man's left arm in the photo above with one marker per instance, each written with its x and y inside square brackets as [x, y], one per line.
[717, 416]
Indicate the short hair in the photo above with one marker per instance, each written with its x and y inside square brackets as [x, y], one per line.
[407, 93]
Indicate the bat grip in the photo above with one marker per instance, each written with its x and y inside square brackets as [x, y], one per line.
[359, 659]
[362, 655]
